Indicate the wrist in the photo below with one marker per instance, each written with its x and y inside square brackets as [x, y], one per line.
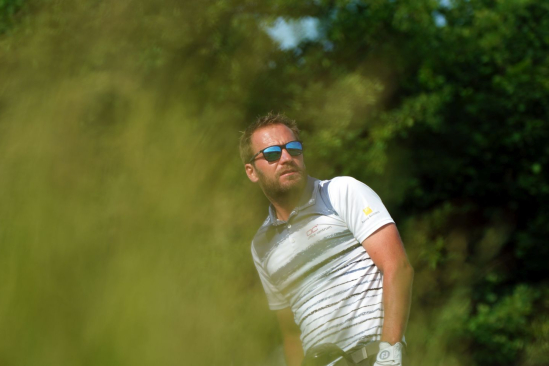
[391, 341]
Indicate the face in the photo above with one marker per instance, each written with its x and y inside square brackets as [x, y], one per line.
[280, 177]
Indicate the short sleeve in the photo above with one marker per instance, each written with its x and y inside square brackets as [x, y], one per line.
[276, 300]
[358, 205]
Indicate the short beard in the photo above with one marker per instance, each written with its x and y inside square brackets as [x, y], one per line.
[273, 189]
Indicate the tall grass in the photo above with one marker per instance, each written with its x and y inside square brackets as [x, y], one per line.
[125, 216]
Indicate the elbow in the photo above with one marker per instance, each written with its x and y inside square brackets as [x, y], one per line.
[406, 269]
[409, 271]
[401, 271]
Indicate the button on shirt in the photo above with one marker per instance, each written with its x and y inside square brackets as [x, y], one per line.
[315, 263]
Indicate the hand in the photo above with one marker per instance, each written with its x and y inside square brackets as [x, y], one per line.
[389, 355]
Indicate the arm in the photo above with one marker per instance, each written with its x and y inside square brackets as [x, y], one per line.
[386, 250]
[293, 349]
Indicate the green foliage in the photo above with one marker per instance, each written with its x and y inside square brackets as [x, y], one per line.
[8, 8]
[501, 330]
[126, 216]
[459, 121]
[504, 328]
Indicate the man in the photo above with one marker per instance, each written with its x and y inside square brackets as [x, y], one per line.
[329, 255]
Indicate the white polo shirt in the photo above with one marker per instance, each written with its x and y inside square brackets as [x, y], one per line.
[315, 263]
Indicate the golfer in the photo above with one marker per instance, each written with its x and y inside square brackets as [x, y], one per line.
[328, 254]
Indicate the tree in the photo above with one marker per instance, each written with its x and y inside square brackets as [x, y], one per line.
[444, 107]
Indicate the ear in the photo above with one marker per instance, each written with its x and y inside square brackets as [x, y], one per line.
[251, 172]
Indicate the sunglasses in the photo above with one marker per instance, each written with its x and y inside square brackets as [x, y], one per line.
[273, 153]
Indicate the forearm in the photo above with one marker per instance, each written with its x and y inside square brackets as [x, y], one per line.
[397, 293]
[293, 350]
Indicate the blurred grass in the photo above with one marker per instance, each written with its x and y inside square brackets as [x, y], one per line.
[124, 237]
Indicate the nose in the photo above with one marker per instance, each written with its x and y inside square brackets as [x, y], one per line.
[285, 156]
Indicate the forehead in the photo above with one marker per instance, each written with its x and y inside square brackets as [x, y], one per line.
[271, 135]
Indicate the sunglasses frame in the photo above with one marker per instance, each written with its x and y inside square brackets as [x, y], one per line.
[282, 147]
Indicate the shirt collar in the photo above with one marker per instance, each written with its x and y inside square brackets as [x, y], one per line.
[308, 198]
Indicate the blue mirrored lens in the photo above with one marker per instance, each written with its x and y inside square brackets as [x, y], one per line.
[272, 153]
[271, 149]
[294, 148]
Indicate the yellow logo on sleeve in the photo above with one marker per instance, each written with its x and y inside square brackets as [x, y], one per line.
[367, 211]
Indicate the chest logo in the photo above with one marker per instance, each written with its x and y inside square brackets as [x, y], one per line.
[313, 230]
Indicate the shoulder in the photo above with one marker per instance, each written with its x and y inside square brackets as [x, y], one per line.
[263, 229]
[343, 184]
[262, 241]
[344, 192]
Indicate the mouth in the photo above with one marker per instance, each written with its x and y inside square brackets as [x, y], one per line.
[288, 173]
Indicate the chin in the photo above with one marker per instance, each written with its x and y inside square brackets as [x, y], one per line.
[292, 182]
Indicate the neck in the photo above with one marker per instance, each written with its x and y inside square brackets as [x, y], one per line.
[286, 202]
